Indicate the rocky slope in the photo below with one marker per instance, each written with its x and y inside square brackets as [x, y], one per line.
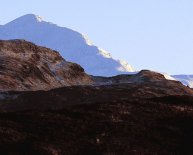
[147, 117]
[72, 45]
[25, 66]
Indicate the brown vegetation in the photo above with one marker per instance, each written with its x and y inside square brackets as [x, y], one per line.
[116, 119]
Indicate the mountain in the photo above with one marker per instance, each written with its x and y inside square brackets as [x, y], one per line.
[185, 79]
[145, 84]
[25, 66]
[134, 114]
[73, 46]
[150, 115]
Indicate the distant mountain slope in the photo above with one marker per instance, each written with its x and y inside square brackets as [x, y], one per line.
[185, 79]
[72, 45]
[25, 66]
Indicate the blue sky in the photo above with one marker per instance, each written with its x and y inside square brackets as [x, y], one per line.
[148, 34]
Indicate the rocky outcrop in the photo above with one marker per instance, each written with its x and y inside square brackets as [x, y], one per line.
[25, 66]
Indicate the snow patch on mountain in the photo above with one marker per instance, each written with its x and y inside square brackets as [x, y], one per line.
[104, 53]
[168, 77]
[126, 66]
[87, 40]
[73, 46]
[185, 79]
[39, 19]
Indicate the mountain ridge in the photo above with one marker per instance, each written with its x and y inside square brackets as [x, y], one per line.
[73, 46]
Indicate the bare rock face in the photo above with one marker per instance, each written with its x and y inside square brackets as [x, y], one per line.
[25, 66]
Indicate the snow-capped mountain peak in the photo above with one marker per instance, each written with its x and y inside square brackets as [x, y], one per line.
[72, 45]
[30, 18]
[39, 19]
